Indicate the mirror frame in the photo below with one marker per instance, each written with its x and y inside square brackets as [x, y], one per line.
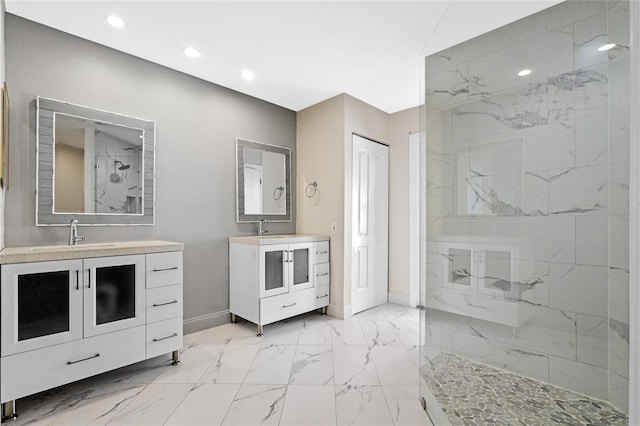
[45, 140]
[241, 217]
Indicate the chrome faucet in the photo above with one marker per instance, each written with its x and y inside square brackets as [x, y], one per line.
[261, 230]
[73, 233]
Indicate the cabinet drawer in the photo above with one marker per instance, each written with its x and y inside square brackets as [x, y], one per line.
[68, 362]
[164, 337]
[276, 308]
[321, 274]
[321, 296]
[164, 303]
[164, 269]
[322, 252]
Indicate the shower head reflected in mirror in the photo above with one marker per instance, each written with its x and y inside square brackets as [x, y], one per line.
[122, 165]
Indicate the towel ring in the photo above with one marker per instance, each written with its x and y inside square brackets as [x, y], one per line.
[277, 193]
[311, 189]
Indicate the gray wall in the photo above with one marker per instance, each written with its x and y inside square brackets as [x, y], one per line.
[197, 123]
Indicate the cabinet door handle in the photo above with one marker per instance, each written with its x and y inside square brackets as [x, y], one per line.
[322, 275]
[155, 305]
[89, 271]
[288, 306]
[322, 252]
[173, 268]
[83, 359]
[165, 338]
[77, 279]
[322, 297]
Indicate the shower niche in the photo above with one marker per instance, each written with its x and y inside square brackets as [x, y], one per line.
[481, 278]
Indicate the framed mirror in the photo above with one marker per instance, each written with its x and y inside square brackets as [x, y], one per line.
[94, 166]
[263, 182]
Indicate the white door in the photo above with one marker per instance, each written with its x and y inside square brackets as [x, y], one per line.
[370, 224]
[252, 189]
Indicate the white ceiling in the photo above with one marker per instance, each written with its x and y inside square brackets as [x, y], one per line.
[301, 52]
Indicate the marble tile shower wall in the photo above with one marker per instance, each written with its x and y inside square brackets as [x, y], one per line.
[540, 161]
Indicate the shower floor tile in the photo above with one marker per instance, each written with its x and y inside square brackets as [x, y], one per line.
[471, 393]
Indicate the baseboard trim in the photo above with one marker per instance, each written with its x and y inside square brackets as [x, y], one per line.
[338, 311]
[203, 322]
[398, 299]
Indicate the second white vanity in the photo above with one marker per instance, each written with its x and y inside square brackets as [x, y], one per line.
[272, 278]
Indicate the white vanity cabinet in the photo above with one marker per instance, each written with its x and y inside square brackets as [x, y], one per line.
[277, 277]
[87, 313]
[164, 303]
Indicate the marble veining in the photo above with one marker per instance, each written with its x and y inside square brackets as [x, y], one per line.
[620, 328]
[343, 382]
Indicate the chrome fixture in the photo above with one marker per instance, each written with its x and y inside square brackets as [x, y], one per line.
[73, 234]
[122, 165]
[311, 189]
[261, 230]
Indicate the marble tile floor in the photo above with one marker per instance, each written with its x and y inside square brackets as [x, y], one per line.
[309, 370]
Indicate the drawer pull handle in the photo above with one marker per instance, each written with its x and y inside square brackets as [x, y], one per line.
[322, 275]
[165, 338]
[155, 305]
[173, 268]
[322, 297]
[288, 306]
[322, 252]
[83, 359]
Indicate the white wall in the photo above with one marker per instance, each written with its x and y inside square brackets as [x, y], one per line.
[320, 154]
[401, 124]
[324, 155]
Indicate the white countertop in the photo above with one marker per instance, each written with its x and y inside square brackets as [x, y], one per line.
[81, 251]
[277, 239]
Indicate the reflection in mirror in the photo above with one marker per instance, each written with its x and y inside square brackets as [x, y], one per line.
[263, 182]
[94, 166]
[97, 167]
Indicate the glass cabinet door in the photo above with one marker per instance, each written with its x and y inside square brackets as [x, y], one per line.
[41, 305]
[300, 266]
[114, 293]
[274, 262]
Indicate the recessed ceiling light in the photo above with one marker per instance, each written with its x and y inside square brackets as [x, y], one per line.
[191, 52]
[524, 72]
[606, 47]
[115, 21]
[247, 75]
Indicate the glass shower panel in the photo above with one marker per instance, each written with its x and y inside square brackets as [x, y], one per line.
[526, 264]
